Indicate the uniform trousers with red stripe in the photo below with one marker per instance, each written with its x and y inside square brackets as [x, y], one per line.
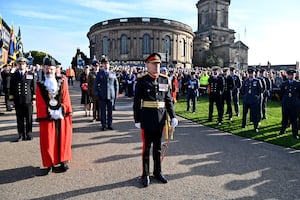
[149, 138]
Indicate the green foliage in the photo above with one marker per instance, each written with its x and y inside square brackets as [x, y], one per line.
[211, 59]
[268, 128]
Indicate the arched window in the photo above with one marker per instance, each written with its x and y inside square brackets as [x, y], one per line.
[167, 46]
[124, 44]
[146, 44]
[183, 47]
[105, 46]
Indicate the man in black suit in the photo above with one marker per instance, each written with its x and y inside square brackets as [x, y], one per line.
[152, 102]
[22, 96]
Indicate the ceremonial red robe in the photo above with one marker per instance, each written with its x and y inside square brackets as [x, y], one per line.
[51, 153]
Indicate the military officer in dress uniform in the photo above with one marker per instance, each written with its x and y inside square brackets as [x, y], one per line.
[266, 93]
[91, 91]
[263, 91]
[107, 89]
[152, 103]
[216, 85]
[289, 95]
[22, 96]
[236, 90]
[227, 95]
[251, 91]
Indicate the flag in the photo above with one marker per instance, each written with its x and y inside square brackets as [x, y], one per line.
[12, 51]
[1, 37]
[19, 45]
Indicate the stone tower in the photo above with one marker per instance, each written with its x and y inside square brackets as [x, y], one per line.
[213, 34]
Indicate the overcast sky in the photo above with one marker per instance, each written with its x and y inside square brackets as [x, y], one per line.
[269, 28]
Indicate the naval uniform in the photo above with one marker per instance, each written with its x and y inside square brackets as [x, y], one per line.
[22, 93]
[227, 95]
[152, 102]
[216, 89]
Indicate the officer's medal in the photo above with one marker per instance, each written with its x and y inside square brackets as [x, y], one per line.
[53, 102]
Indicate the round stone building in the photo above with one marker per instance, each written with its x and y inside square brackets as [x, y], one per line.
[131, 40]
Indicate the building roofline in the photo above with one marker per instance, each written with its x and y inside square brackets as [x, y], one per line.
[139, 21]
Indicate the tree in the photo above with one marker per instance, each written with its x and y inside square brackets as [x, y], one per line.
[39, 56]
[211, 59]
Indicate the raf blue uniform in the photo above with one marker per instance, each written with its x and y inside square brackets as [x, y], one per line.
[106, 88]
[290, 102]
[192, 93]
[251, 91]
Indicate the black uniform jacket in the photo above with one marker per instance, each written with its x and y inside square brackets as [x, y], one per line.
[22, 89]
[149, 90]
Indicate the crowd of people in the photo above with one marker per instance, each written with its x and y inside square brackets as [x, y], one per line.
[155, 90]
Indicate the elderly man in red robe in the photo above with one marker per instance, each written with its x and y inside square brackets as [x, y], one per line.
[54, 114]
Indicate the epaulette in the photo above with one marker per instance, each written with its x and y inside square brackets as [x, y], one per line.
[142, 75]
[164, 75]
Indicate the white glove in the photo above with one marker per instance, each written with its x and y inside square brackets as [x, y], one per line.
[137, 125]
[174, 122]
[56, 114]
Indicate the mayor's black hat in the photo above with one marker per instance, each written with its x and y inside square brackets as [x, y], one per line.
[49, 62]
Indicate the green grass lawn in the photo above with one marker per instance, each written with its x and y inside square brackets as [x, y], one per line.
[268, 128]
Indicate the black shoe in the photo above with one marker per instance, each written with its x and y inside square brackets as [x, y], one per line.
[93, 120]
[110, 128]
[161, 178]
[48, 171]
[145, 181]
[28, 137]
[103, 129]
[209, 120]
[64, 166]
[1, 113]
[19, 139]
[9, 110]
